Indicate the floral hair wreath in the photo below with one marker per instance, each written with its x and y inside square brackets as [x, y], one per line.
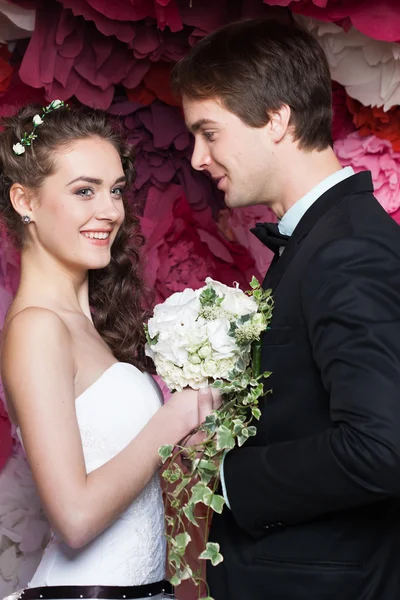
[26, 140]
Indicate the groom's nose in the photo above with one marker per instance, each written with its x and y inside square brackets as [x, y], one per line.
[201, 158]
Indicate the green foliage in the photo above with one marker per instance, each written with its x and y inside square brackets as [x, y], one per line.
[229, 426]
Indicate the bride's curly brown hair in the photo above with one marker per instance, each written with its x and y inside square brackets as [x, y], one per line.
[118, 297]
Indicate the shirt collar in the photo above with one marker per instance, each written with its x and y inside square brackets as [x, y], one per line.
[291, 218]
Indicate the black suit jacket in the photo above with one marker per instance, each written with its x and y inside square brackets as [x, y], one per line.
[315, 509]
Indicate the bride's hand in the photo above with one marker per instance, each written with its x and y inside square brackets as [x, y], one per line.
[209, 399]
[191, 407]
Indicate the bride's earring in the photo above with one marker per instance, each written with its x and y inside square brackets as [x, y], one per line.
[26, 219]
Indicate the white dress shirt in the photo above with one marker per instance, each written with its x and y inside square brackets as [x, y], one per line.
[287, 225]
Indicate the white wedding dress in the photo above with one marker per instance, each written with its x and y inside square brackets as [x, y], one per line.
[132, 551]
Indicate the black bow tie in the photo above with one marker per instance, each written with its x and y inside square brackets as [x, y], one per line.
[269, 234]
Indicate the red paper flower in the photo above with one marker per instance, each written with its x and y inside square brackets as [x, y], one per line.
[373, 120]
[6, 70]
[155, 85]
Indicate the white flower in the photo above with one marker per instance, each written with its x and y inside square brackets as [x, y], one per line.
[182, 308]
[37, 120]
[234, 300]
[18, 148]
[192, 347]
[219, 338]
[210, 368]
[55, 104]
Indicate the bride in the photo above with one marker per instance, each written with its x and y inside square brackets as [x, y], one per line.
[72, 361]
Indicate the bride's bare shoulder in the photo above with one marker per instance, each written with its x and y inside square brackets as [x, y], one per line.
[31, 321]
[33, 335]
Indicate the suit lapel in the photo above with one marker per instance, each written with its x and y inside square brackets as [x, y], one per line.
[361, 182]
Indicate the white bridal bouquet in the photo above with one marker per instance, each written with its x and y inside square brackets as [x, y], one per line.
[197, 338]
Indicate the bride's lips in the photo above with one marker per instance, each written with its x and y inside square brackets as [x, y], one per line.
[95, 240]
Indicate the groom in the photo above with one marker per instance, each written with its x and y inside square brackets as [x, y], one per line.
[314, 497]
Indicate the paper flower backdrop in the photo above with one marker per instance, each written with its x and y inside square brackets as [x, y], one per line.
[16, 22]
[376, 19]
[118, 56]
[369, 69]
[376, 155]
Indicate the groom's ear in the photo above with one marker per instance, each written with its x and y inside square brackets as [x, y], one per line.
[278, 123]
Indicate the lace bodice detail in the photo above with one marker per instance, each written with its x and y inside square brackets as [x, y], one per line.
[110, 413]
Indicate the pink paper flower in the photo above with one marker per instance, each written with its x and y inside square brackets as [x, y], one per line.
[70, 57]
[9, 271]
[376, 155]
[396, 216]
[184, 246]
[376, 19]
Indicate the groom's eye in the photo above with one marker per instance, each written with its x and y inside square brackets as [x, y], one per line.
[209, 135]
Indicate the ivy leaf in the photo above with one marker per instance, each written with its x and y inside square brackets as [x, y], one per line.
[254, 283]
[243, 436]
[225, 439]
[174, 558]
[200, 493]
[256, 412]
[175, 580]
[208, 466]
[251, 431]
[165, 452]
[181, 486]
[188, 511]
[212, 553]
[182, 540]
[210, 423]
[187, 573]
[205, 477]
[217, 503]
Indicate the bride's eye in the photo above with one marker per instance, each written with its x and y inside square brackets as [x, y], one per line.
[84, 192]
[117, 192]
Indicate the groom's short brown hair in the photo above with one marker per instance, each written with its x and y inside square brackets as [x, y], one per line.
[256, 66]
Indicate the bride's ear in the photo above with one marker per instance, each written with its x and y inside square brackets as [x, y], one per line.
[22, 200]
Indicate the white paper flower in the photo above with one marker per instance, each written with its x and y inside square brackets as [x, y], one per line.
[37, 120]
[24, 529]
[15, 22]
[369, 69]
[18, 148]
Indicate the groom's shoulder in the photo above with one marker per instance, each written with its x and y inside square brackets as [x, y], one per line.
[360, 216]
